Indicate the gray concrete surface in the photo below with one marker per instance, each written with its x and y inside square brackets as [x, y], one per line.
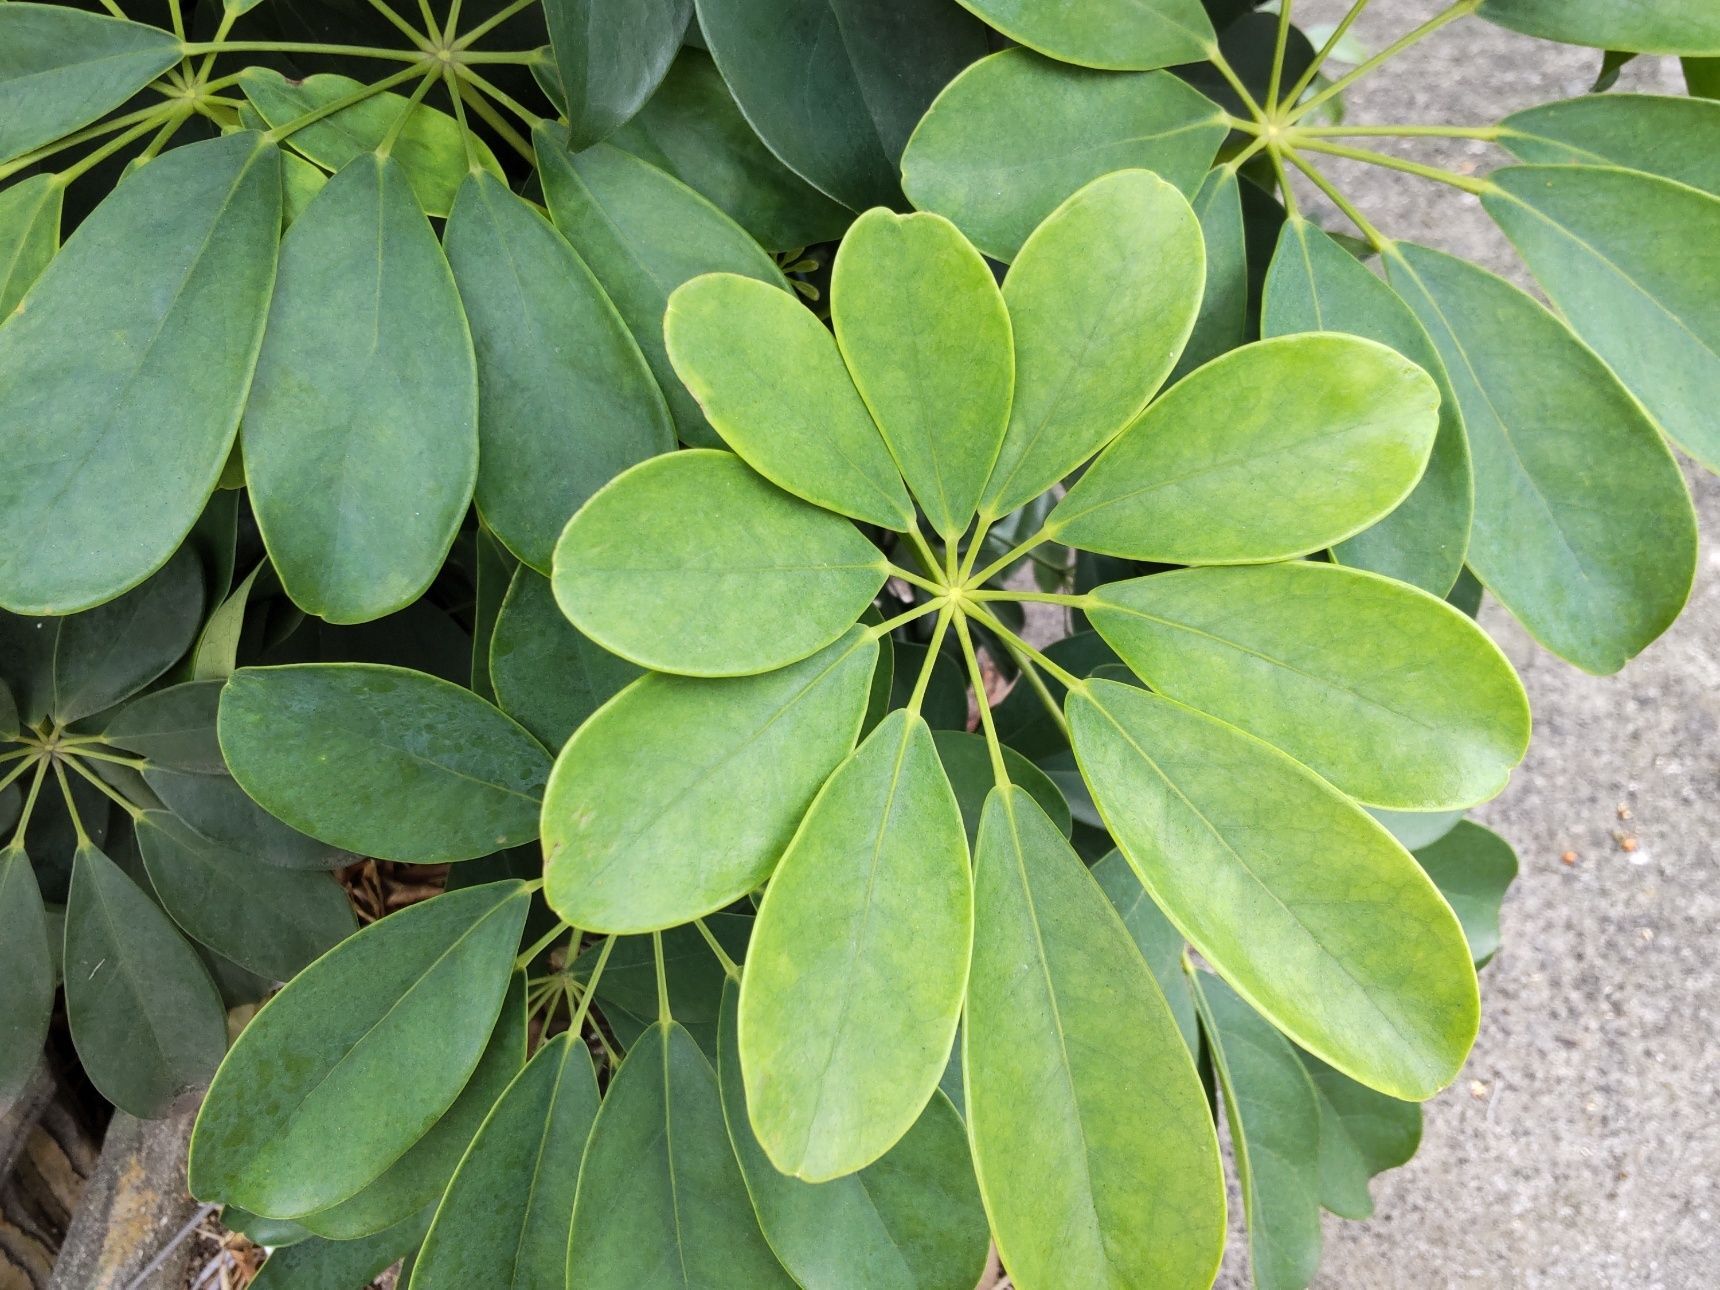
[1581, 1147]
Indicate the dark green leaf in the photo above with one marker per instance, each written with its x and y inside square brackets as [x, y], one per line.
[316, 1264]
[1472, 866]
[144, 1014]
[29, 235]
[610, 55]
[629, 984]
[565, 399]
[27, 664]
[1362, 1133]
[697, 537]
[1121, 35]
[1662, 27]
[361, 441]
[1023, 722]
[126, 373]
[967, 762]
[1222, 323]
[289, 1126]
[1015, 134]
[661, 1200]
[109, 653]
[1661, 134]
[680, 794]
[26, 974]
[382, 761]
[218, 808]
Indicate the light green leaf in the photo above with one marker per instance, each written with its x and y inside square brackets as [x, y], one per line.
[1160, 944]
[565, 399]
[1663, 27]
[382, 761]
[692, 128]
[661, 1201]
[643, 233]
[1394, 696]
[856, 968]
[1121, 35]
[144, 1014]
[610, 55]
[1660, 134]
[1015, 134]
[693, 564]
[1472, 866]
[1594, 576]
[1632, 262]
[680, 794]
[109, 653]
[1300, 900]
[967, 763]
[217, 651]
[218, 808]
[924, 332]
[125, 374]
[769, 378]
[430, 149]
[1274, 450]
[1222, 323]
[267, 919]
[289, 1126]
[29, 233]
[1274, 1118]
[1313, 284]
[301, 180]
[1362, 1133]
[548, 675]
[1095, 1153]
[912, 1221]
[420, 1177]
[361, 441]
[1102, 296]
[61, 69]
[26, 974]
[834, 87]
[505, 1217]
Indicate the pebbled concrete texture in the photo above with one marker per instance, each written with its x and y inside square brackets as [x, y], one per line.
[1581, 1147]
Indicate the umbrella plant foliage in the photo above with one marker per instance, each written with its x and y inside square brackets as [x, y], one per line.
[619, 465]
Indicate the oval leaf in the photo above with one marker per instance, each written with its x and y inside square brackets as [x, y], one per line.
[174, 728]
[661, 1201]
[771, 381]
[856, 968]
[144, 1014]
[26, 974]
[1395, 697]
[1473, 867]
[565, 399]
[1594, 579]
[610, 55]
[680, 795]
[1274, 450]
[126, 373]
[697, 538]
[289, 1127]
[1661, 134]
[1300, 900]
[1664, 27]
[1015, 134]
[360, 439]
[1122, 35]
[1102, 296]
[1362, 1133]
[382, 761]
[1109, 1174]
[218, 808]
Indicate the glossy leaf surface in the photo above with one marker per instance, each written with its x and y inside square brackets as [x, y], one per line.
[1593, 579]
[287, 1128]
[772, 382]
[1121, 35]
[856, 969]
[913, 1219]
[698, 537]
[565, 399]
[1313, 284]
[144, 1014]
[1331, 930]
[610, 55]
[1660, 134]
[661, 1200]
[1015, 134]
[29, 235]
[1102, 296]
[1276, 449]
[1664, 27]
[1632, 262]
[216, 807]
[642, 233]
[1095, 1153]
[1395, 697]
[505, 1218]
[382, 760]
[680, 794]
[923, 329]
[1472, 866]
[126, 373]
[26, 974]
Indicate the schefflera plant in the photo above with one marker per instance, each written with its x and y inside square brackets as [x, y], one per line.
[1268, 697]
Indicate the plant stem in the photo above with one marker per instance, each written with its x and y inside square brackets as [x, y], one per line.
[17, 843]
[279, 132]
[1376, 239]
[1216, 57]
[925, 677]
[301, 47]
[915, 580]
[531, 119]
[663, 1014]
[730, 968]
[452, 84]
[114, 9]
[148, 115]
[1010, 639]
[540, 945]
[71, 806]
[591, 986]
[977, 679]
[928, 561]
[400, 24]
[1488, 132]
[1274, 81]
[900, 620]
[518, 57]
[1030, 670]
[430, 28]
[162, 136]
[1303, 81]
[90, 160]
[497, 122]
[386, 147]
[130, 807]
[1390, 162]
[1038, 597]
[176, 16]
[492, 22]
[1459, 9]
[1284, 189]
[16, 771]
[1008, 558]
[971, 556]
[136, 763]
